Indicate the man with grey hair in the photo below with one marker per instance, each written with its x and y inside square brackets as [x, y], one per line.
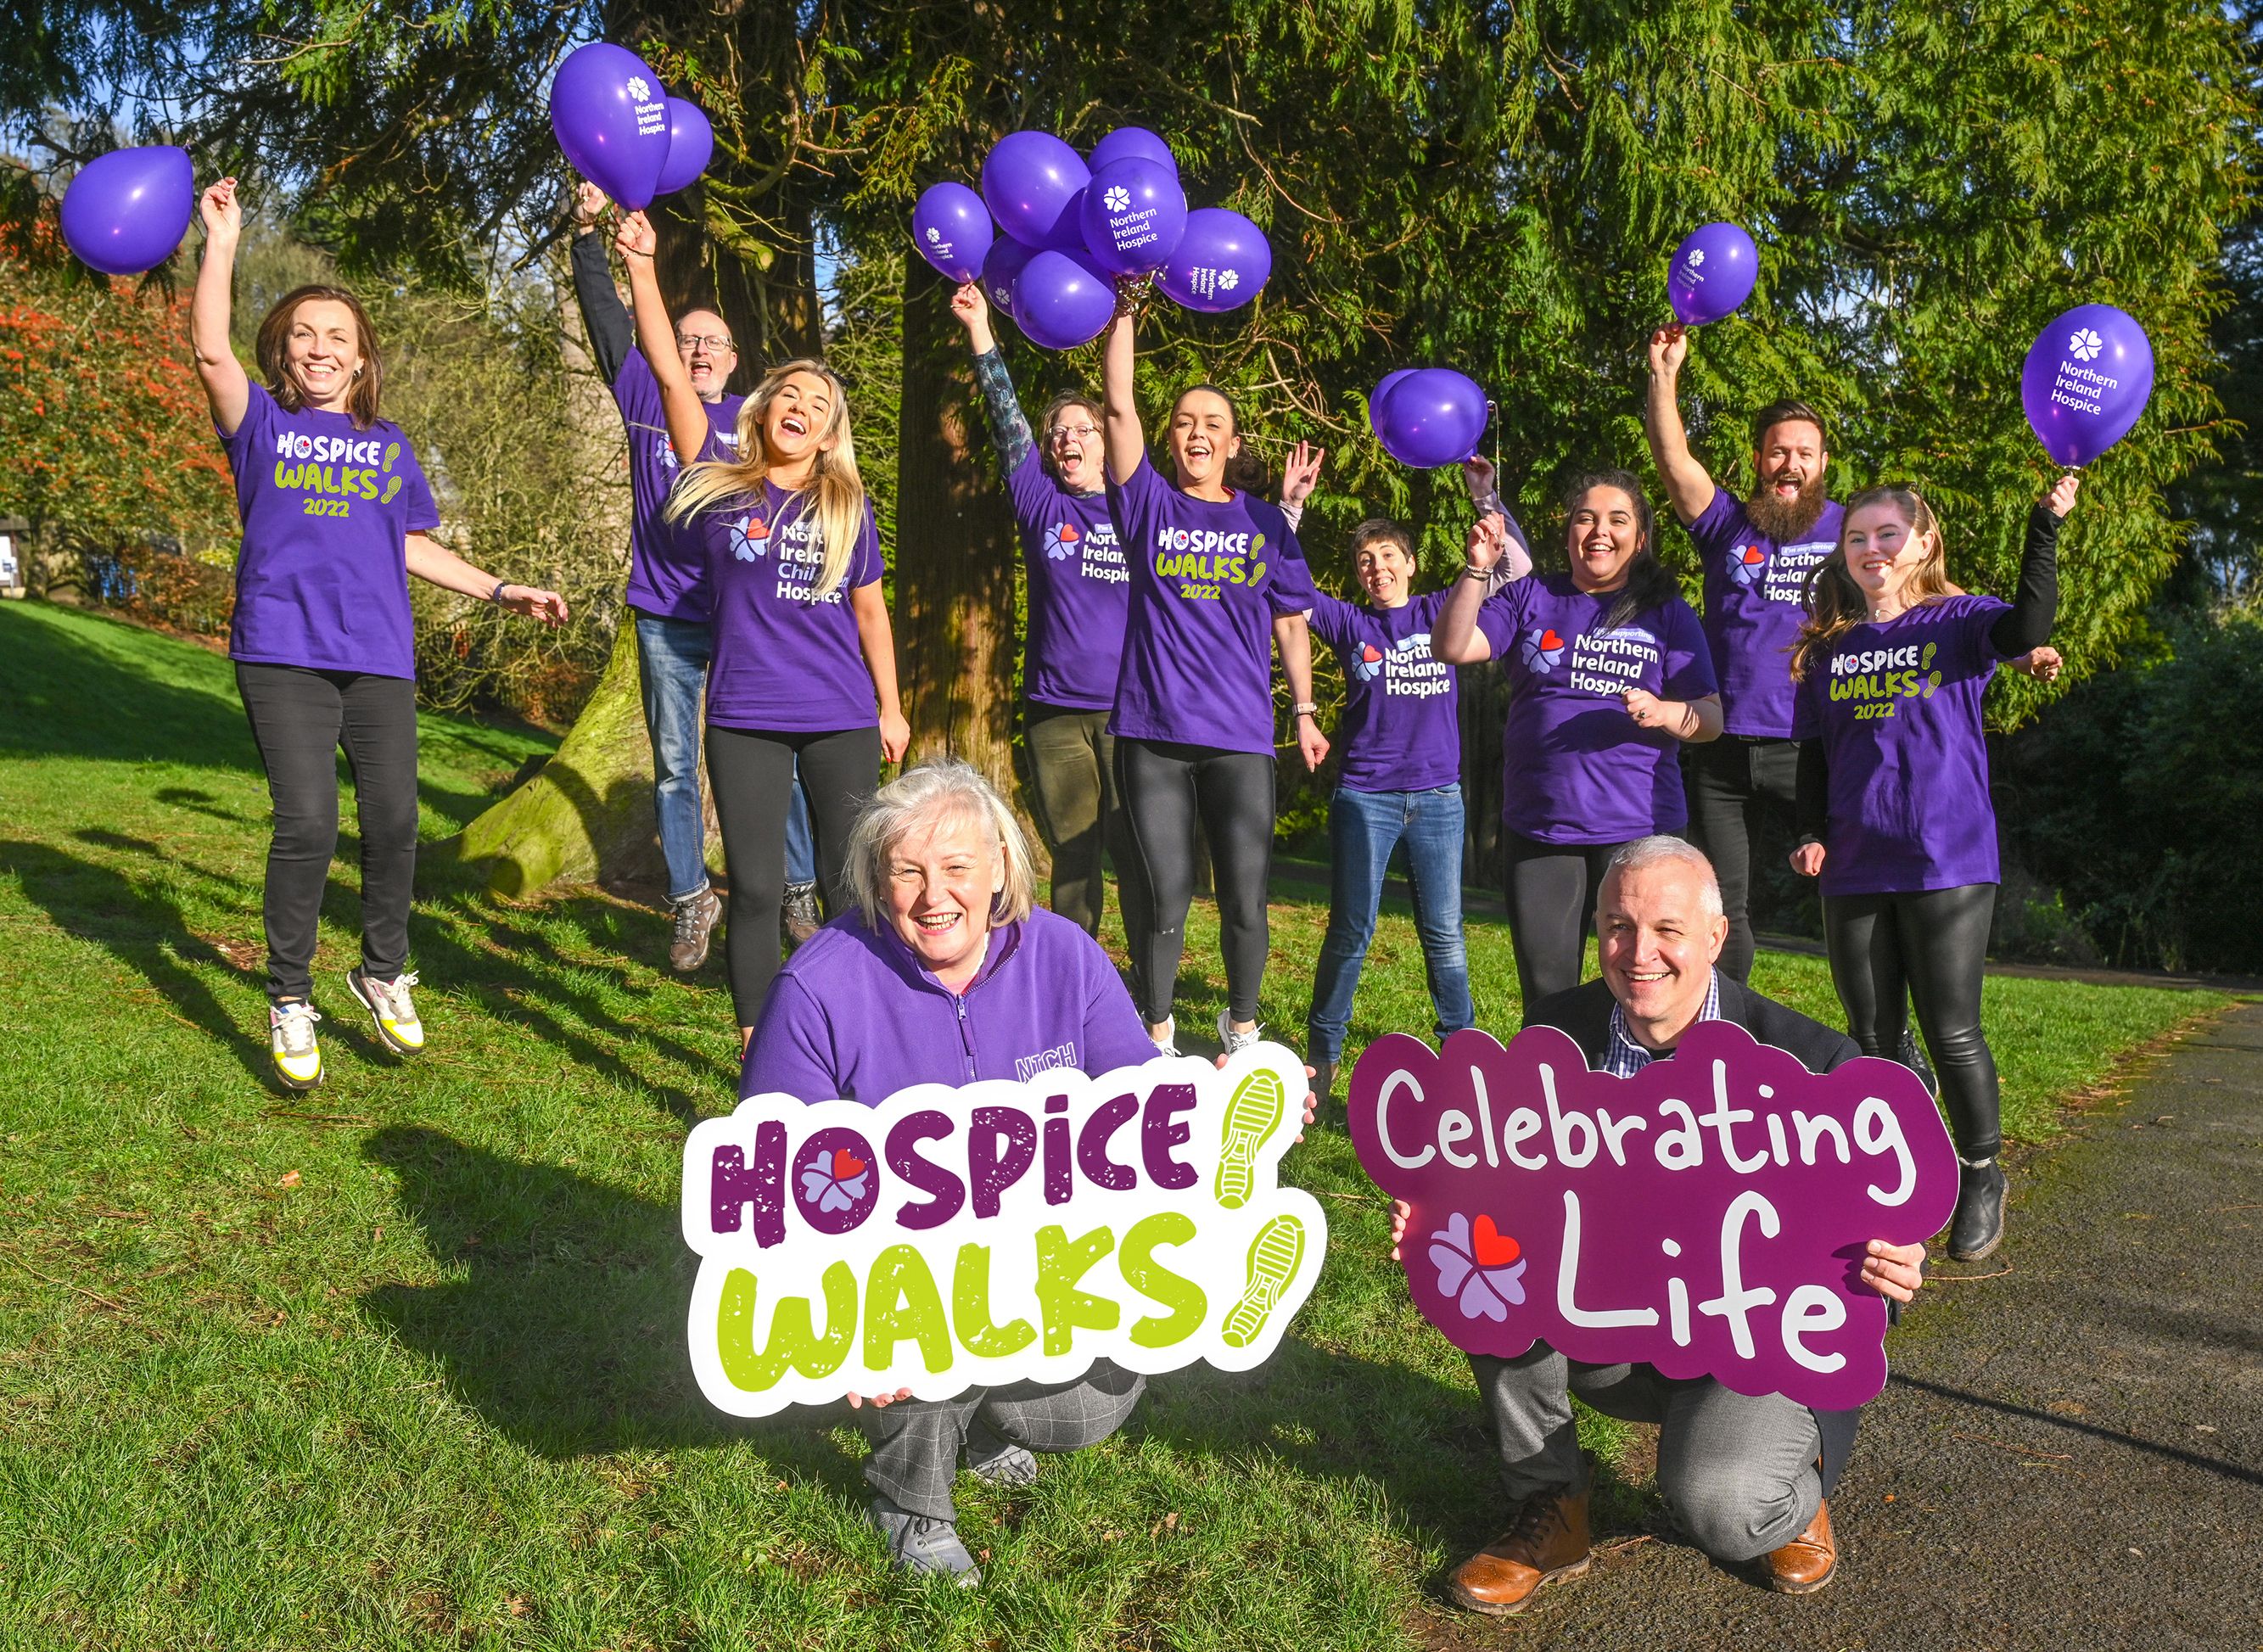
[1745, 1475]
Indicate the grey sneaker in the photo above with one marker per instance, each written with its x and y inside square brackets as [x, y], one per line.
[918, 1544]
[695, 922]
[995, 1462]
[1235, 1042]
[803, 919]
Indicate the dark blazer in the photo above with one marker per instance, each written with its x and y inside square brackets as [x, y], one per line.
[1585, 1013]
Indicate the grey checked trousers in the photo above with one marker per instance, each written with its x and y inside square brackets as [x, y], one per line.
[916, 1443]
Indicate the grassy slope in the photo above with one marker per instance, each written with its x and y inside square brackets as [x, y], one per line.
[400, 1364]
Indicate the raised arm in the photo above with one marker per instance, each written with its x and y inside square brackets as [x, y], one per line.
[611, 331]
[2035, 606]
[222, 376]
[1688, 489]
[1125, 441]
[1455, 638]
[1009, 427]
[687, 414]
[1485, 492]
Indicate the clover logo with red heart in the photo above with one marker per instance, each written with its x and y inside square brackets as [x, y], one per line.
[1543, 649]
[1481, 1268]
[1062, 540]
[835, 1182]
[1369, 663]
[750, 536]
[1747, 564]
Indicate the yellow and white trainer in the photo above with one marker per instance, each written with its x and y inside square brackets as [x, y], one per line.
[292, 1044]
[391, 1008]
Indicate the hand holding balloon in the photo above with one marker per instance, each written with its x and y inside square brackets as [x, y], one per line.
[1669, 348]
[590, 203]
[635, 238]
[221, 213]
[2060, 500]
[1478, 475]
[971, 311]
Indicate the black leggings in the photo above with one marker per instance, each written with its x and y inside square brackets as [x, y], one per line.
[1165, 787]
[1934, 941]
[300, 718]
[751, 774]
[1551, 889]
[1739, 786]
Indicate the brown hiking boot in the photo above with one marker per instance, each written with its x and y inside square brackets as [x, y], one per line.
[1806, 1564]
[1547, 1544]
[695, 922]
[803, 919]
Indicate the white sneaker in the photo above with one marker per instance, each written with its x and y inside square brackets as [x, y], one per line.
[292, 1044]
[1236, 1042]
[1168, 1044]
[391, 1008]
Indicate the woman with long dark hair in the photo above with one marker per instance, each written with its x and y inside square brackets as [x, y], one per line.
[1894, 813]
[1609, 675]
[336, 515]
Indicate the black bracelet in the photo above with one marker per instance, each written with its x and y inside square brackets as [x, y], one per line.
[495, 595]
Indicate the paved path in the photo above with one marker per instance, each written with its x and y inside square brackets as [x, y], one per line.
[2071, 1454]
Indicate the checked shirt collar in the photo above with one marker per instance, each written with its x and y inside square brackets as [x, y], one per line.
[1623, 1057]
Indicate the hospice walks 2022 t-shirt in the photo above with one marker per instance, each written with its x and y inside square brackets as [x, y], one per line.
[1575, 768]
[1080, 590]
[785, 659]
[1898, 707]
[668, 568]
[322, 580]
[1208, 579]
[1400, 731]
[1755, 602]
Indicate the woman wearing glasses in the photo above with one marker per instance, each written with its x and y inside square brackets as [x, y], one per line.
[1079, 595]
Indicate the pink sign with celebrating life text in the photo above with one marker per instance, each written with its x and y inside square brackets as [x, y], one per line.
[1706, 1217]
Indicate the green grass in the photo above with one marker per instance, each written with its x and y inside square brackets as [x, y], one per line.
[400, 1363]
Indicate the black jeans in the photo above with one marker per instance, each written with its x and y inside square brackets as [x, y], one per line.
[1072, 777]
[1934, 942]
[1551, 889]
[1738, 786]
[1165, 787]
[300, 718]
[751, 774]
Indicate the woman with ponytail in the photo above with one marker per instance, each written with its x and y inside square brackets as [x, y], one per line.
[804, 666]
[1609, 673]
[1894, 812]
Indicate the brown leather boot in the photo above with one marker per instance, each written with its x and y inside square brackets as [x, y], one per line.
[1806, 1564]
[1547, 1544]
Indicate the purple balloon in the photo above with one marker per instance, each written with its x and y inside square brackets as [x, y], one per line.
[1126, 141]
[2087, 379]
[1030, 183]
[1001, 268]
[1134, 214]
[1713, 273]
[126, 212]
[611, 117]
[1062, 299]
[1381, 394]
[952, 231]
[690, 146]
[1219, 264]
[1433, 417]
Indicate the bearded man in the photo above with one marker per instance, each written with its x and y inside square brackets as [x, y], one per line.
[1757, 553]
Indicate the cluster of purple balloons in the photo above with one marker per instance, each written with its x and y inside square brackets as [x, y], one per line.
[1075, 227]
[622, 131]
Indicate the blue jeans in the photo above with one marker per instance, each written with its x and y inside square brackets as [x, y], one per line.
[1363, 828]
[672, 668]
[800, 840]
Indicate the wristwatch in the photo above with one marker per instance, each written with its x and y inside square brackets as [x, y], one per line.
[1305, 707]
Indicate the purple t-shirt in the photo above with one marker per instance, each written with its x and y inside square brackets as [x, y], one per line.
[1207, 580]
[854, 1015]
[1574, 766]
[1897, 708]
[1755, 602]
[667, 571]
[783, 659]
[1400, 731]
[1080, 590]
[322, 580]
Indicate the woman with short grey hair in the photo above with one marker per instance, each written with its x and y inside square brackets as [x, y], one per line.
[944, 970]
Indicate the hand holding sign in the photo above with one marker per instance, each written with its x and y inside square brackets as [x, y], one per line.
[1714, 1215]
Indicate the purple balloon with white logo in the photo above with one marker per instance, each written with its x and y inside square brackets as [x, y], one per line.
[2087, 379]
[1381, 394]
[1134, 215]
[1433, 417]
[1030, 183]
[1220, 264]
[952, 230]
[1126, 141]
[1062, 299]
[1713, 273]
[1001, 269]
[611, 118]
[126, 212]
[690, 146]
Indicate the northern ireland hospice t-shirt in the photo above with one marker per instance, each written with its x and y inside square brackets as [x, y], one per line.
[1401, 732]
[1755, 602]
[667, 570]
[1080, 590]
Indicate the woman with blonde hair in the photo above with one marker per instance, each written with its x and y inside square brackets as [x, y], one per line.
[804, 667]
[1894, 812]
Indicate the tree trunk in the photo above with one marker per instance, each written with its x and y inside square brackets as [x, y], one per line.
[954, 555]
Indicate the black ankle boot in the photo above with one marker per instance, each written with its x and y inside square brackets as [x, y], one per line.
[1977, 1228]
[1912, 1056]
